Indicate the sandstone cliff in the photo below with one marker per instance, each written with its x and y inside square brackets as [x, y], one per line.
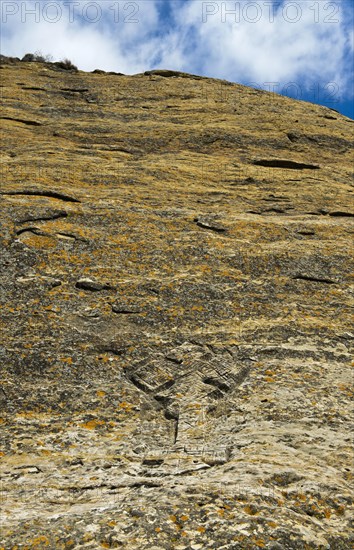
[176, 299]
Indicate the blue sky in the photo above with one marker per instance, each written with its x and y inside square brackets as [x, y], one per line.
[302, 48]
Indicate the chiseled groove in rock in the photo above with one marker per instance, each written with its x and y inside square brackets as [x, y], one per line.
[192, 384]
[217, 383]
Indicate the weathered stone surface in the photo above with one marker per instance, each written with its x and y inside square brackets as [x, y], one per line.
[176, 299]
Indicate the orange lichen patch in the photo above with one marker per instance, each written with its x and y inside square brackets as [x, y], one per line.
[340, 510]
[54, 309]
[184, 518]
[38, 241]
[205, 268]
[103, 359]
[272, 524]
[101, 393]
[126, 407]
[348, 390]
[158, 529]
[27, 414]
[40, 541]
[87, 537]
[68, 360]
[92, 424]
[251, 510]
[201, 529]
[112, 523]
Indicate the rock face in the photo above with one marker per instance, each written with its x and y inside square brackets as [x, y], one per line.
[176, 298]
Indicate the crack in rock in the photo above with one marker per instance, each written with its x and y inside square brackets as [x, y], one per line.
[287, 164]
[23, 121]
[42, 193]
[314, 279]
[92, 286]
[45, 217]
[211, 226]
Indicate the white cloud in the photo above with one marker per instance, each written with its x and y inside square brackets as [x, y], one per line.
[272, 49]
[298, 41]
[91, 34]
